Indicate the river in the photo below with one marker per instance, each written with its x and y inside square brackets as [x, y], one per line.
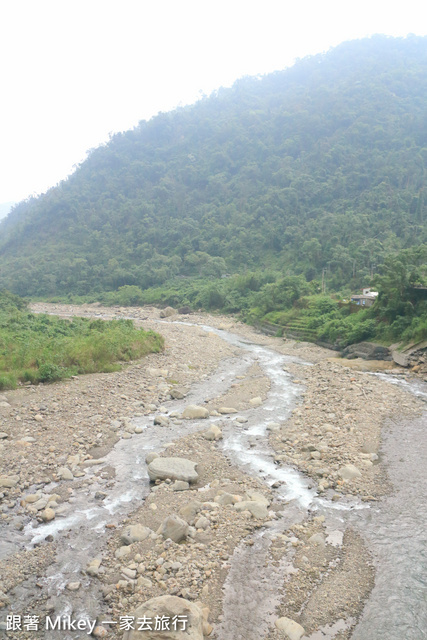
[394, 528]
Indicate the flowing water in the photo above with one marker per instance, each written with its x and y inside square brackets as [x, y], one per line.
[396, 531]
[394, 528]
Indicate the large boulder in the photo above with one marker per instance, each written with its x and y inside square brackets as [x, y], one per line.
[213, 433]
[168, 311]
[257, 509]
[167, 607]
[135, 533]
[367, 351]
[190, 510]
[175, 528]
[194, 412]
[291, 629]
[402, 359]
[178, 393]
[173, 468]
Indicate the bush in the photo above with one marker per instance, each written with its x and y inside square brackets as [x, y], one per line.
[42, 348]
[49, 372]
[7, 381]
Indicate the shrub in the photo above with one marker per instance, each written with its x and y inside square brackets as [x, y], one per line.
[49, 372]
[7, 381]
[41, 348]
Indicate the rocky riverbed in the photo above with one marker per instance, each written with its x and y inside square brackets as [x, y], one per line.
[85, 534]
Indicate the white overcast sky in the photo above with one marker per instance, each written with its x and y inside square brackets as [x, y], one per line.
[72, 71]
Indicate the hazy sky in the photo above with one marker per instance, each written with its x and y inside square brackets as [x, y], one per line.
[72, 71]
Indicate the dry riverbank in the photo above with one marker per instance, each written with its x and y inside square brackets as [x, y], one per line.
[59, 433]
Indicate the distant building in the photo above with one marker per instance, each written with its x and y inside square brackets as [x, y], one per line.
[366, 299]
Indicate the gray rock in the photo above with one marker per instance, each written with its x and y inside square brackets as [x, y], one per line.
[144, 582]
[90, 463]
[257, 509]
[178, 393]
[349, 471]
[317, 539]
[92, 568]
[194, 412]
[48, 514]
[202, 523]
[227, 410]
[150, 457]
[18, 524]
[65, 473]
[32, 497]
[121, 552]
[9, 481]
[225, 498]
[189, 511]
[258, 497]
[369, 447]
[3, 435]
[401, 359]
[180, 485]
[167, 312]
[173, 468]
[175, 528]
[41, 503]
[213, 433]
[367, 351]
[162, 421]
[169, 607]
[129, 573]
[292, 630]
[135, 533]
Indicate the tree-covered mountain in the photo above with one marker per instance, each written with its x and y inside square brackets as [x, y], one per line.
[317, 169]
[5, 208]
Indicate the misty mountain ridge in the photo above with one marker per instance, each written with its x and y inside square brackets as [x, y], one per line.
[5, 208]
[317, 169]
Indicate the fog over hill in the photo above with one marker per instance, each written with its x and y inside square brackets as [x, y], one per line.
[317, 169]
[5, 208]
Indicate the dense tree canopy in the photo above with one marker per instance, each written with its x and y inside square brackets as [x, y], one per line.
[318, 169]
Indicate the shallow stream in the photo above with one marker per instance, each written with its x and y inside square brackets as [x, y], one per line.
[395, 528]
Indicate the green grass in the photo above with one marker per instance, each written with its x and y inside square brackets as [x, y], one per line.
[320, 318]
[40, 348]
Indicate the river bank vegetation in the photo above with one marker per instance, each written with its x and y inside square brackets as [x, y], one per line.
[41, 348]
[275, 199]
[295, 306]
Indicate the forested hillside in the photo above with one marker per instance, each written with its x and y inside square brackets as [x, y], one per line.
[315, 169]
